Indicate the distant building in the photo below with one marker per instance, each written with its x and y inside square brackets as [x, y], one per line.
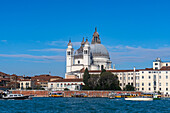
[41, 81]
[93, 56]
[25, 84]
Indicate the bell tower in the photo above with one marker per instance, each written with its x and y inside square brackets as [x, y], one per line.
[86, 55]
[69, 57]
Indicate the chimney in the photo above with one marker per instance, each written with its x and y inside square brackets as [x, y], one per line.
[134, 69]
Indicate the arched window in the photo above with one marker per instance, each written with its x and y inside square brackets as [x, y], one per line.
[68, 53]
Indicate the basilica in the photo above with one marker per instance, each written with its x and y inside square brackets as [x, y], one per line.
[93, 56]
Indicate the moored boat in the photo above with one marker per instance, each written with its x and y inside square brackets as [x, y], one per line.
[157, 97]
[56, 94]
[140, 99]
[79, 95]
[15, 97]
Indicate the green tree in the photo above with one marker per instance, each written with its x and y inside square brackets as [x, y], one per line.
[103, 70]
[129, 88]
[86, 77]
[108, 81]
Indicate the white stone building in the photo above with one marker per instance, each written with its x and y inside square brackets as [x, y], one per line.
[71, 84]
[93, 56]
[146, 80]
[24, 84]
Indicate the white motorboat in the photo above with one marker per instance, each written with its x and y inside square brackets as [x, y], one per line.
[140, 99]
[15, 96]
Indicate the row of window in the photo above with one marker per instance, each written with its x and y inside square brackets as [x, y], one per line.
[154, 72]
[127, 74]
[137, 84]
[149, 77]
[69, 53]
[129, 78]
[154, 89]
[25, 83]
[149, 84]
[157, 64]
[63, 85]
[128, 84]
[58, 85]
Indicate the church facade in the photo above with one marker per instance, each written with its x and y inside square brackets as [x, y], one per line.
[93, 56]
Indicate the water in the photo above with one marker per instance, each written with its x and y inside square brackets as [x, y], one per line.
[81, 105]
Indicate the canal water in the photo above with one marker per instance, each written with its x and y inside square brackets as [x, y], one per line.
[83, 105]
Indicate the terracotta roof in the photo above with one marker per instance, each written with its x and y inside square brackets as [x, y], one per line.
[42, 81]
[165, 68]
[93, 71]
[13, 75]
[4, 74]
[26, 80]
[5, 79]
[68, 80]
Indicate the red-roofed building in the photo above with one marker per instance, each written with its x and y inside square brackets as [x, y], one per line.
[41, 81]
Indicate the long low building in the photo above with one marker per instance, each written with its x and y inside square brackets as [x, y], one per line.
[71, 84]
[156, 79]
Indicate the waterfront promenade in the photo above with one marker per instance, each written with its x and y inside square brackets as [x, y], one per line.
[42, 93]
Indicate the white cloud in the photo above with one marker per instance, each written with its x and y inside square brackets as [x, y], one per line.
[137, 54]
[56, 58]
[35, 61]
[64, 43]
[4, 41]
[56, 43]
[51, 49]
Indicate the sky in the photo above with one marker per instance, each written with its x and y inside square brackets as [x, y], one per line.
[34, 33]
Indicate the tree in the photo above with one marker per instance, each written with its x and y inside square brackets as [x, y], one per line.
[103, 70]
[66, 89]
[86, 77]
[108, 81]
[129, 88]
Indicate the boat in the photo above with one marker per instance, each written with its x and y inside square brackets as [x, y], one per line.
[140, 99]
[111, 95]
[79, 95]
[56, 94]
[15, 97]
[157, 97]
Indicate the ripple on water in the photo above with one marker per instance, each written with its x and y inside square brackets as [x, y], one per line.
[87, 105]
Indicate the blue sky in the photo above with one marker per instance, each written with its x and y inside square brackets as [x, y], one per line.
[34, 33]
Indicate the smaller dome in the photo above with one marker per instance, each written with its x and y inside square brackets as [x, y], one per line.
[86, 43]
[79, 53]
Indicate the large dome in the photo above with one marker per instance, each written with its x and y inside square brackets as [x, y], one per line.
[98, 50]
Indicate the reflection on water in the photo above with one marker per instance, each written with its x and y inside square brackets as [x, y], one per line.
[51, 105]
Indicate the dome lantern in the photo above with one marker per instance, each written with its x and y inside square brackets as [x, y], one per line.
[96, 38]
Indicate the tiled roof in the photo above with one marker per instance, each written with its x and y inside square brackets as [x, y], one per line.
[4, 74]
[69, 80]
[26, 80]
[5, 79]
[165, 68]
[93, 71]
